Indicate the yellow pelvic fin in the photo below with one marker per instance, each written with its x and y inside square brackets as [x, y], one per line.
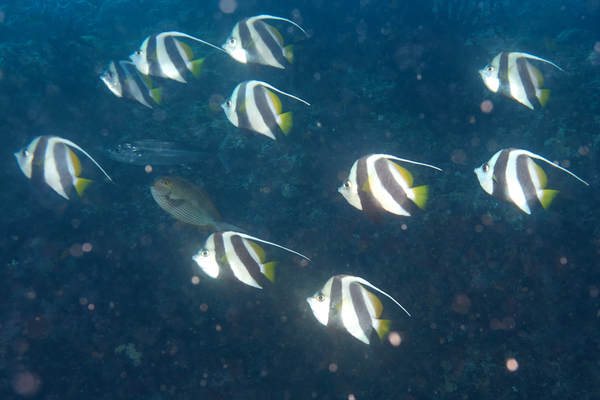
[405, 174]
[541, 175]
[197, 67]
[276, 101]
[384, 328]
[269, 271]
[421, 195]
[75, 161]
[156, 94]
[81, 184]
[544, 96]
[288, 52]
[547, 197]
[286, 122]
[259, 251]
[187, 49]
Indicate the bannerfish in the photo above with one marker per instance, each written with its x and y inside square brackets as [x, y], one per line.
[156, 152]
[124, 80]
[48, 160]
[236, 256]
[512, 75]
[253, 107]
[512, 175]
[164, 56]
[185, 202]
[344, 303]
[377, 184]
[254, 42]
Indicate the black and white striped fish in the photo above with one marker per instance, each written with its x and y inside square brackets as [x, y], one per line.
[377, 184]
[124, 80]
[512, 175]
[235, 255]
[253, 107]
[165, 56]
[48, 160]
[344, 303]
[512, 75]
[254, 42]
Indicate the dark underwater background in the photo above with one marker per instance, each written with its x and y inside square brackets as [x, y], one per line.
[484, 282]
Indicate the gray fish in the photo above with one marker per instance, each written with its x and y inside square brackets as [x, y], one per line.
[154, 152]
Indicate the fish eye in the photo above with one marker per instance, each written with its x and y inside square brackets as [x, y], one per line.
[228, 103]
[490, 69]
[110, 74]
[485, 168]
[320, 298]
[138, 52]
[25, 153]
[117, 149]
[347, 184]
[232, 41]
[205, 253]
[165, 182]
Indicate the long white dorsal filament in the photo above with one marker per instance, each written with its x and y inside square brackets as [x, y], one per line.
[272, 244]
[264, 16]
[364, 282]
[265, 84]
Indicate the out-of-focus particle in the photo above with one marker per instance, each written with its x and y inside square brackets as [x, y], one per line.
[512, 365]
[461, 303]
[486, 106]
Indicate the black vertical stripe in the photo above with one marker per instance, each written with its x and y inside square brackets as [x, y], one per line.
[369, 204]
[528, 85]
[524, 178]
[61, 160]
[151, 45]
[391, 185]
[500, 186]
[175, 57]
[504, 86]
[360, 308]
[138, 83]
[262, 100]
[270, 43]
[38, 163]
[219, 244]
[244, 32]
[243, 120]
[335, 297]
[246, 258]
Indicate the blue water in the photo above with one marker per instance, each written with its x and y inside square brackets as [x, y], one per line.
[84, 279]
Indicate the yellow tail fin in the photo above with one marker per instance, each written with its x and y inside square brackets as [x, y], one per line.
[547, 197]
[288, 52]
[544, 96]
[384, 328]
[156, 94]
[82, 184]
[269, 271]
[197, 67]
[286, 122]
[421, 194]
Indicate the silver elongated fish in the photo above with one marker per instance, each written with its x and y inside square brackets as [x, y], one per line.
[254, 107]
[512, 175]
[48, 160]
[155, 152]
[124, 80]
[511, 75]
[343, 303]
[254, 42]
[237, 256]
[164, 56]
[377, 184]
